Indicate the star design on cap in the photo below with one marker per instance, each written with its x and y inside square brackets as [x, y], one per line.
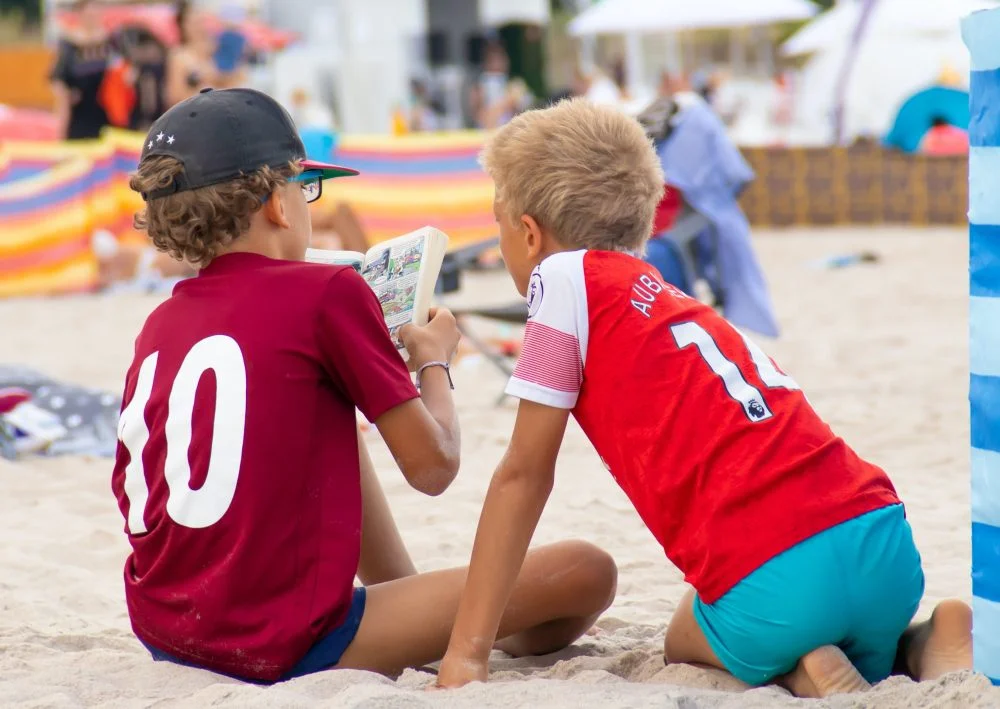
[150, 145]
[159, 137]
[170, 140]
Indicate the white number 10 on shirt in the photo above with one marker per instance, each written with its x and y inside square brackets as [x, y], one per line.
[745, 394]
[192, 508]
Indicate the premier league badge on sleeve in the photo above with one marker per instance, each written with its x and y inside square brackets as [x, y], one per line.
[535, 291]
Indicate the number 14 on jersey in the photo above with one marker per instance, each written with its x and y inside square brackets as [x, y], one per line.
[739, 389]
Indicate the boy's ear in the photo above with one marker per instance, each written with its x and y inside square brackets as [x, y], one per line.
[532, 236]
[274, 210]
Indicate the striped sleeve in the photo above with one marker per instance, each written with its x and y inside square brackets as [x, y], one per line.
[550, 368]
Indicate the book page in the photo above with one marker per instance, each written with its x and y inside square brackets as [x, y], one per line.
[392, 273]
[336, 258]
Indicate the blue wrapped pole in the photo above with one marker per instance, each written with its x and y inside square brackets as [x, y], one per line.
[981, 32]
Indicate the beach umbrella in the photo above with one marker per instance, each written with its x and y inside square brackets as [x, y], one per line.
[658, 16]
[888, 18]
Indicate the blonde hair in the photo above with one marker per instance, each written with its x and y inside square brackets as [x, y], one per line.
[587, 173]
[195, 225]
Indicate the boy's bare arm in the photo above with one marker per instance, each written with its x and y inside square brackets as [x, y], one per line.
[514, 503]
[423, 434]
[383, 554]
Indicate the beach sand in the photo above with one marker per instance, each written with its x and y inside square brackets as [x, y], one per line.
[880, 350]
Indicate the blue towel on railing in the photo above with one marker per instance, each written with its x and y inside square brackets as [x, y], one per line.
[701, 161]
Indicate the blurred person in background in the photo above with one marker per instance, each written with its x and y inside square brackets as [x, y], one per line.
[494, 98]
[84, 57]
[595, 86]
[197, 63]
[944, 139]
[308, 112]
[425, 112]
[783, 108]
[620, 76]
[148, 59]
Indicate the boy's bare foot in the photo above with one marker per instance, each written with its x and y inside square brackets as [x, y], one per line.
[823, 672]
[940, 645]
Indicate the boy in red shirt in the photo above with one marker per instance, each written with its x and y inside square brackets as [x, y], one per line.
[250, 503]
[801, 560]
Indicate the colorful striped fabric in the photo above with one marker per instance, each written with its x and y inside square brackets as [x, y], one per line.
[412, 181]
[53, 196]
[982, 35]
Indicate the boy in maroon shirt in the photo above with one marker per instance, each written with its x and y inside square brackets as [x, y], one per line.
[250, 502]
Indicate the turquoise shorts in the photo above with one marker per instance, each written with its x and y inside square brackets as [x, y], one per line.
[856, 586]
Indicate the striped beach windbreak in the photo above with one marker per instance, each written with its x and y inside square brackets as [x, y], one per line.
[981, 32]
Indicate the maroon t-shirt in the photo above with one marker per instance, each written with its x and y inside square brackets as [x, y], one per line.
[237, 468]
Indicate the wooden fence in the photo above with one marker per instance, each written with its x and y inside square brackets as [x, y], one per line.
[865, 184]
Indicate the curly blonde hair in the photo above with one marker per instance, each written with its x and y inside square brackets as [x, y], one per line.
[588, 173]
[195, 225]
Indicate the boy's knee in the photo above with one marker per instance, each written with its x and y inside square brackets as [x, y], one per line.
[593, 572]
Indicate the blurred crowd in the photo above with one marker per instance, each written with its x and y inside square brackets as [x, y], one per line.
[492, 96]
[128, 78]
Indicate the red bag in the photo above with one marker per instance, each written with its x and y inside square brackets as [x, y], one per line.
[117, 93]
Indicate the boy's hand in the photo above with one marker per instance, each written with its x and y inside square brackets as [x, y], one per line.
[434, 342]
[458, 671]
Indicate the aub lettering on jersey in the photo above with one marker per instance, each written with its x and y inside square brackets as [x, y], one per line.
[645, 290]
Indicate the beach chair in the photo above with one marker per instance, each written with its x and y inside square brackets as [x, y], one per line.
[683, 261]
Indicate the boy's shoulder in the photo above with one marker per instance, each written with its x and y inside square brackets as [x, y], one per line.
[613, 287]
[258, 286]
[299, 275]
[590, 273]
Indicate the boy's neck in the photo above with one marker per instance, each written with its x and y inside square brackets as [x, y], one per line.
[255, 242]
[551, 245]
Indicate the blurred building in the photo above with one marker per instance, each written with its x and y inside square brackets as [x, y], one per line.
[359, 56]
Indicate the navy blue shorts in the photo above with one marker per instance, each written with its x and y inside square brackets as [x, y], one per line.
[324, 655]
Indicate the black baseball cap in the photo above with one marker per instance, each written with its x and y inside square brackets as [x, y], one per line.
[219, 135]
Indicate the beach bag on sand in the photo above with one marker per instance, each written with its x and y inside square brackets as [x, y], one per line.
[85, 418]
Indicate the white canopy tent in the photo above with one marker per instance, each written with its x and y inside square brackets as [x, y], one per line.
[635, 18]
[493, 13]
[907, 45]
[658, 16]
[889, 18]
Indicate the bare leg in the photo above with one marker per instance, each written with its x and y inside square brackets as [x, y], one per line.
[346, 223]
[124, 264]
[820, 673]
[685, 643]
[170, 267]
[943, 644]
[560, 592]
[383, 553]
[328, 240]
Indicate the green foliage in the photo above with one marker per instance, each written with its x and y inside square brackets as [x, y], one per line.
[20, 21]
[30, 11]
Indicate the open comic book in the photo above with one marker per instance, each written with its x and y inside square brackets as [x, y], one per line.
[402, 272]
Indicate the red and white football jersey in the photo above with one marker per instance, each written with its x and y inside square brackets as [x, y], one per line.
[237, 471]
[718, 449]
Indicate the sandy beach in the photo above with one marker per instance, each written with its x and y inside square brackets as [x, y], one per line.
[880, 350]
